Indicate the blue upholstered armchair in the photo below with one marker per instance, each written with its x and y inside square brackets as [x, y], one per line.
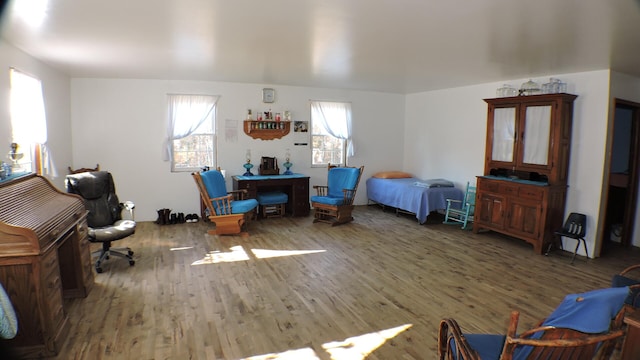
[584, 326]
[228, 210]
[334, 202]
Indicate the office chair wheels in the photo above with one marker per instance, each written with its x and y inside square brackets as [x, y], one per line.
[130, 253]
[98, 269]
[132, 262]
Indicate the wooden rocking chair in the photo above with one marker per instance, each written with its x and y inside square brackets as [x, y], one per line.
[584, 326]
[333, 203]
[461, 212]
[229, 211]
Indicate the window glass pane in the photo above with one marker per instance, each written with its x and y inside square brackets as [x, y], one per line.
[193, 152]
[327, 149]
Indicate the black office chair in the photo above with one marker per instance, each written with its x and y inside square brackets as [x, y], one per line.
[105, 213]
[575, 228]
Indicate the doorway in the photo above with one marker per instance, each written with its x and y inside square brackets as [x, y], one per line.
[623, 177]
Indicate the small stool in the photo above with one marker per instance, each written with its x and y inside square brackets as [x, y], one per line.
[272, 203]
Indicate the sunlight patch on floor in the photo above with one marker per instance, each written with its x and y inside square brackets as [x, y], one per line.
[300, 354]
[237, 253]
[181, 248]
[266, 253]
[353, 348]
[359, 347]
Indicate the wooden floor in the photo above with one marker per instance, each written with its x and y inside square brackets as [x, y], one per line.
[375, 289]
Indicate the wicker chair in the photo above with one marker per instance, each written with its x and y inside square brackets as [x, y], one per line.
[584, 326]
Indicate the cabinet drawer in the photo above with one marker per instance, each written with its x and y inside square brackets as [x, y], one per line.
[508, 189]
[532, 193]
[488, 185]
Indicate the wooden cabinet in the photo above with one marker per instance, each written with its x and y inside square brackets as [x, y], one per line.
[267, 129]
[522, 192]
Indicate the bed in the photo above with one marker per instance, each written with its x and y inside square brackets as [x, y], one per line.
[412, 195]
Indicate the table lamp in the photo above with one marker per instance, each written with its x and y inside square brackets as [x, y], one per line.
[248, 165]
[287, 164]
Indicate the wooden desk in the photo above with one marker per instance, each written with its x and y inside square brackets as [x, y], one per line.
[44, 258]
[631, 347]
[296, 186]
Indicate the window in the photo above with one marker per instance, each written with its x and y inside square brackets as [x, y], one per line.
[191, 134]
[29, 124]
[330, 133]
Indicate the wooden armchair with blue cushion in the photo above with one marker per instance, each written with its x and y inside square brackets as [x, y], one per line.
[583, 326]
[333, 203]
[228, 210]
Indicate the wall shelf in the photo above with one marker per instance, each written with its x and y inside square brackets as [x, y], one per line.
[266, 129]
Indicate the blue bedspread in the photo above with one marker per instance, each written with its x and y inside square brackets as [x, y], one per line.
[405, 195]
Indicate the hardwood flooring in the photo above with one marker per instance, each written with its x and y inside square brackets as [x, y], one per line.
[376, 288]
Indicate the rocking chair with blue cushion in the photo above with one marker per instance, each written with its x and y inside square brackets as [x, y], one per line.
[228, 210]
[583, 326]
[624, 278]
[461, 212]
[333, 203]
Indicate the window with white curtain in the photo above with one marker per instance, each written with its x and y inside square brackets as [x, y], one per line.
[29, 124]
[330, 133]
[191, 139]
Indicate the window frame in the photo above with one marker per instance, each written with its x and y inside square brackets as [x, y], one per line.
[213, 151]
[33, 152]
[327, 135]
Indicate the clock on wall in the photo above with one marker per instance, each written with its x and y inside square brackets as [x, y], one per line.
[268, 95]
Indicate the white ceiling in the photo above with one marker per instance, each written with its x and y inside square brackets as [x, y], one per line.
[400, 46]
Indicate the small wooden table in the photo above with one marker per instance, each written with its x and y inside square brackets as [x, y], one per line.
[631, 347]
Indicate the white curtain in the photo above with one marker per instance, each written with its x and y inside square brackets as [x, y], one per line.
[28, 118]
[186, 114]
[504, 122]
[537, 130]
[335, 117]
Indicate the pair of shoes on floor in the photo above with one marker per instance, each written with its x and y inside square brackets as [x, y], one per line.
[191, 218]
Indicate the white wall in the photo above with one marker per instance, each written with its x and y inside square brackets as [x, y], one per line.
[56, 101]
[445, 134]
[627, 87]
[120, 124]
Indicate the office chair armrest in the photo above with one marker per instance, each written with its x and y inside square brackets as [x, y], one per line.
[126, 211]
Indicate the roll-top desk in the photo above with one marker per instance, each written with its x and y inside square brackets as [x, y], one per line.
[44, 258]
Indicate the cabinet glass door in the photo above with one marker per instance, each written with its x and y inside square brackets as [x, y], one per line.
[537, 129]
[504, 129]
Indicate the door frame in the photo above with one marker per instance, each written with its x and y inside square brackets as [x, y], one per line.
[634, 157]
